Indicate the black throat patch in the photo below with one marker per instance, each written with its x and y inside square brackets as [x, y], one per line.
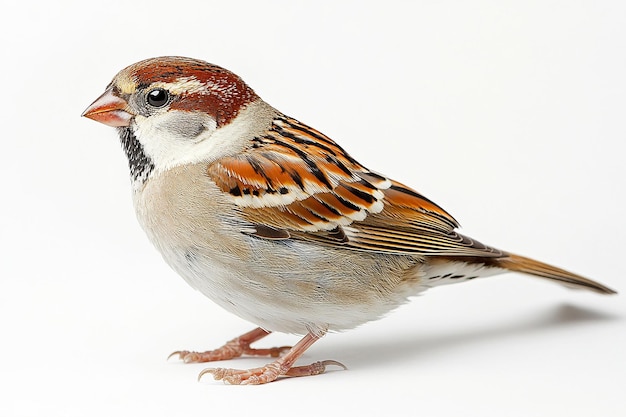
[139, 163]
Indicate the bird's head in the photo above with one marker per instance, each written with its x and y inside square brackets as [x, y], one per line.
[168, 111]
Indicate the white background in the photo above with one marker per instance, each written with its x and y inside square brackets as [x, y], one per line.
[511, 115]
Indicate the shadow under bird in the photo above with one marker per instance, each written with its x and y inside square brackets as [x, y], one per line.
[274, 221]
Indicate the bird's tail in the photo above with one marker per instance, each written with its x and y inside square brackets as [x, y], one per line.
[530, 266]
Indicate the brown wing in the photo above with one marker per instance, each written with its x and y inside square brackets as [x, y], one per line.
[296, 183]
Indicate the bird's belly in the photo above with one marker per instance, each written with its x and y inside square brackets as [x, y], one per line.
[297, 287]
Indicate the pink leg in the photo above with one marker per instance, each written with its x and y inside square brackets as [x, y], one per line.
[233, 349]
[270, 372]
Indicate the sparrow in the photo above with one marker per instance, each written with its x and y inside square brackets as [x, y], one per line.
[274, 221]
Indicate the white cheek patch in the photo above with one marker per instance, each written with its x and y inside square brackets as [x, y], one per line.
[188, 126]
[169, 138]
[179, 137]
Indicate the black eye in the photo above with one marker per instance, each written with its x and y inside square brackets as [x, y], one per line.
[158, 97]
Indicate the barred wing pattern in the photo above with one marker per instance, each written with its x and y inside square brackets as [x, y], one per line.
[296, 183]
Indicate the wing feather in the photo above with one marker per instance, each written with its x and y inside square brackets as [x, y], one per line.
[296, 183]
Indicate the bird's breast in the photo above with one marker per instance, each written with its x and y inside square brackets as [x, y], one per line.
[289, 285]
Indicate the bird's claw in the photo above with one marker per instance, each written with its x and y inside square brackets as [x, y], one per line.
[267, 373]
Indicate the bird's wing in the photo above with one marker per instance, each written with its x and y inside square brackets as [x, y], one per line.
[296, 183]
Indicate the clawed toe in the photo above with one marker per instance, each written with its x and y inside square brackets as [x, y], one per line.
[283, 366]
[187, 356]
[233, 349]
[315, 368]
[267, 373]
[181, 354]
[253, 376]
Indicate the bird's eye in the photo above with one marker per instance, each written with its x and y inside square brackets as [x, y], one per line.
[158, 97]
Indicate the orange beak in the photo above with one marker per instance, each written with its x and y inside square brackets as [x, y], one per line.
[110, 110]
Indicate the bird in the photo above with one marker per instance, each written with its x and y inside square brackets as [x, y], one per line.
[274, 221]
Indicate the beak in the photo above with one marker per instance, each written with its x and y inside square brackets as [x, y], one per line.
[110, 110]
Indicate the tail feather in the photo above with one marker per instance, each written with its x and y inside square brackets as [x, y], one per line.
[530, 266]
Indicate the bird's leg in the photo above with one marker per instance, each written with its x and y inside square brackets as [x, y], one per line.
[270, 372]
[233, 349]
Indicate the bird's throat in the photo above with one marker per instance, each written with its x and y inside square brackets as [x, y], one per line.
[139, 163]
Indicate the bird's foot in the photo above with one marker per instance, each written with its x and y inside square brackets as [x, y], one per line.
[267, 373]
[233, 349]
